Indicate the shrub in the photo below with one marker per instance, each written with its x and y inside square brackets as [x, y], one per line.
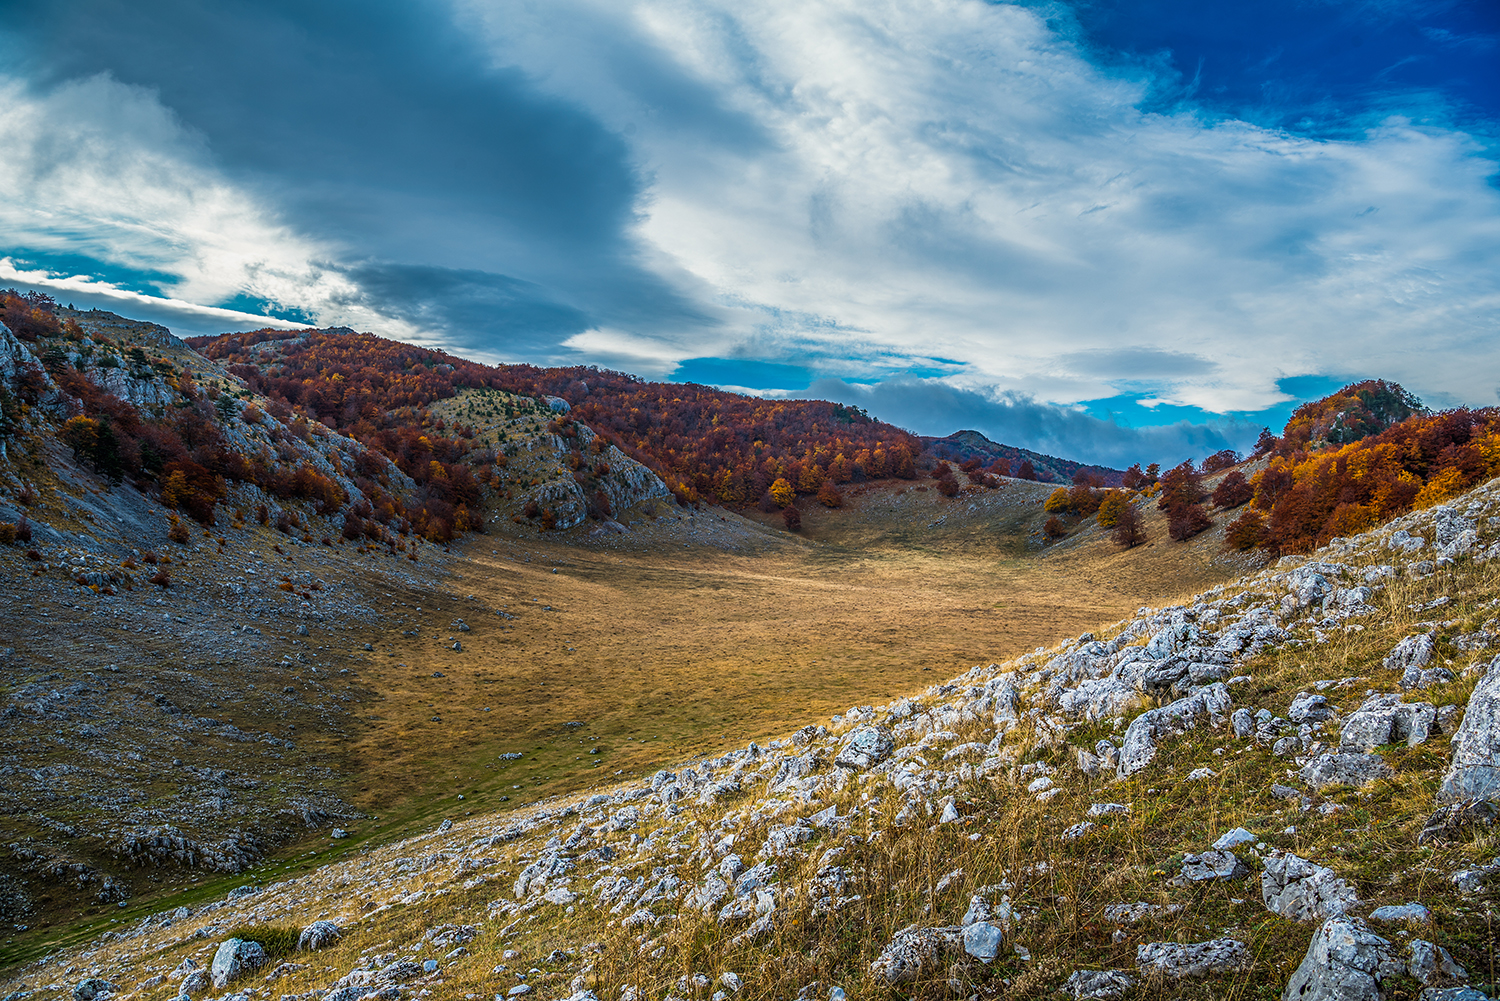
[1110, 507]
[23, 530]
[782, 492]
[829, 495]
[1128, 531]
[792, 518]
[1057, 501]
[1220, 460]
[1054, 529]
[1232, 491]
[161, 578]
[948, 486]
[1246, 532]
[179, 532]
[1187, 521]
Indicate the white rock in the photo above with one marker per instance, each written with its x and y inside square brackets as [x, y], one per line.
[1303, 891]
[1344, 962]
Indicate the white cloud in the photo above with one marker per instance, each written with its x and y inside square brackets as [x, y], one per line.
[101, 169]
[951, 179]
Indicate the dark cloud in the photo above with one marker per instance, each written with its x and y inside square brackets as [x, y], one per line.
[384, 128]
[513, 319]
[934, 408]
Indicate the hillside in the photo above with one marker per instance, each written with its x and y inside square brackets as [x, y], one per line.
[280, 610]
[1219, 798]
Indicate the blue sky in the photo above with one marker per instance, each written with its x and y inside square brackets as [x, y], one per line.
[1139, 228]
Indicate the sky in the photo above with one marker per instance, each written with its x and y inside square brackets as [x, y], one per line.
[1112, 230]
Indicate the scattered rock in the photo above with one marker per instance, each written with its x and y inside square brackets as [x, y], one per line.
[1309, 708]
[1414, 651]
[319, 935]
[1155, 725]
[1401, 913]
[1211, 865]
[93, 987]
[1385, 719]
[234, 959]
[915, 951]
[1344, 962]
[1233, 839]
[1304, 891]
[1427, 962]
[1191, 959]
[1457, 821]
[1344, 768]
[866, 747]
[982, 940]
[1475, 770]
[1105, 985]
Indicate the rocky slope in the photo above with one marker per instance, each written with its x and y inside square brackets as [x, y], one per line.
[1282, 788]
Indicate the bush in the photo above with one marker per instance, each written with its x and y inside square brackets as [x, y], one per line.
[948, 486]
[782, 492]
[1232, 491]
[1187, 521]
[161, 578]
[829, 495]
[1128, 531]
[276, 940]
[792, 518]
[1057, 501]
[23, 530]
[1054, 528]
[1110, 507]
[1246, 532]
[179, 532]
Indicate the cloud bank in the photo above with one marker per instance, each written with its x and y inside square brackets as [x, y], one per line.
[934, 408]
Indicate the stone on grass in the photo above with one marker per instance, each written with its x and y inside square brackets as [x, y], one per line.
[1211, 865]
[1385, 719]
[1233, 839]
[1427, 962]
[1452, 994]
[914, 951]
[1191, 959]
[866, 747]
[1344, 962]
[1344, 768]
[1153, 726]
[1475, 770]
[1303, 891]
[235, 958]
[1103, 985]
[1308, 707]
[982, 940]
[1414, 651]
[1399, 913]
[1458, 821]
[93, 987]
[319, 935]
[195, 982]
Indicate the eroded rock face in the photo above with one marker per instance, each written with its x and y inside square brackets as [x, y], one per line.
[1475, 770]
[1304, 891]
[914, 951]
[1345, 962]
